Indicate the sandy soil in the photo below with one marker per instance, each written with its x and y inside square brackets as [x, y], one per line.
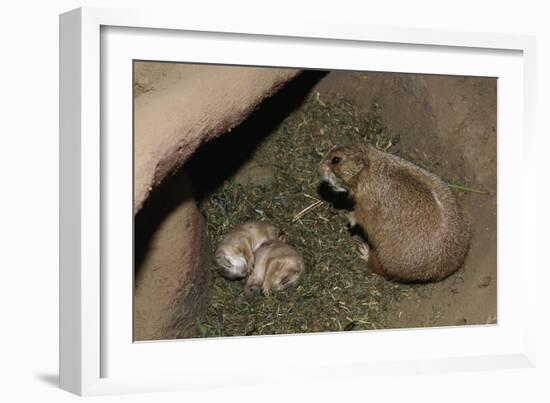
[179, 106]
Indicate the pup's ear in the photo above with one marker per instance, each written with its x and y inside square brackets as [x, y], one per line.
[273, 267]
[246, 251]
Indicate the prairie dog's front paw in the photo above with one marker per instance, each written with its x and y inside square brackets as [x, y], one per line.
[352, 221]
[251, 290]
[364, 251]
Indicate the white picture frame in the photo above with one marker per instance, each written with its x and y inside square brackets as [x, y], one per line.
[96, 355]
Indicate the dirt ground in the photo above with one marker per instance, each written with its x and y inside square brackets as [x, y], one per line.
[266, 169]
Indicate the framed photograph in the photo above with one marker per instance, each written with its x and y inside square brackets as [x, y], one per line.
[243, 202]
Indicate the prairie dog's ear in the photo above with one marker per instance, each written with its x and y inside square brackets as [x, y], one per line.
[361, 154]
[354, 160]
[356, 180]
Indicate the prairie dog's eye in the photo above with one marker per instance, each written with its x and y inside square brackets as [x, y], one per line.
[335, 160]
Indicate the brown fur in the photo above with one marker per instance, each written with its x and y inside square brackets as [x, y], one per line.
[235, 253]
[278, 267]
[415, 228]
[374, 264]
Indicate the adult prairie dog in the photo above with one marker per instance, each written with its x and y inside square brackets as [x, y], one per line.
[414, 226]
[278, 266]
[235, 253]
